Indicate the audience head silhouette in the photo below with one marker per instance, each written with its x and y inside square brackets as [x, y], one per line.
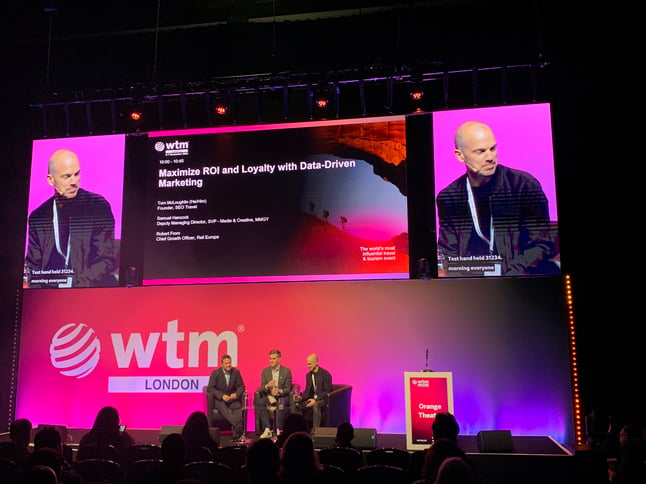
[196, 431]
[629, 432]
[50, 457]
[294, 422]
[48, 437]
[105, 431]
[173, 450]
[17, 449]
[445, 426]
[631, 464]
[263, 461]
[344, 434]
[299, 461]
[441, 450]
[20, 432]
[454, 470]
[107, 420]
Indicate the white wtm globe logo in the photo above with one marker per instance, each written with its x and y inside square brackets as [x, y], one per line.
[75, 350]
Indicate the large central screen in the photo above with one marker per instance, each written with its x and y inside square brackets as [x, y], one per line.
[320, 200]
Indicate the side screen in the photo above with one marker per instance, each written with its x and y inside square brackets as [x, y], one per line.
[507, 227]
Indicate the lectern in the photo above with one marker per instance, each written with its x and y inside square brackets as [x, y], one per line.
[427, 394]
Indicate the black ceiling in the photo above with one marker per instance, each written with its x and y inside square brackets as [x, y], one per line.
[80, 44]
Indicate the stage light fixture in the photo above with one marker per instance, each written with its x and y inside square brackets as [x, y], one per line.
[416, 91]
[136, 115]
[321, 95]
[133, 114]
[321, 101]
[135, 110]
[220, 108]
[222, 105]
[222, 102]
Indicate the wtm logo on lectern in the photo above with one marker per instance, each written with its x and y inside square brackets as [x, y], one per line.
[75, 350]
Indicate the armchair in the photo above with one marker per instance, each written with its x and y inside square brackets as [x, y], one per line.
[336, 408]
[338, 405]
[216, 419]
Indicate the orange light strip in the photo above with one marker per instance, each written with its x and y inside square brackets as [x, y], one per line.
[574, 369]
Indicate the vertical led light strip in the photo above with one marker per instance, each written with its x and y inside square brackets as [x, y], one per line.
[13, 372]
[578, 431]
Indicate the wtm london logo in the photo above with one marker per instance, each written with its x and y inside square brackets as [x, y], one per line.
[172, 148]
[75, 350]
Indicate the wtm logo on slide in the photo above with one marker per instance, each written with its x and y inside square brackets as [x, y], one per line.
[174, 148]
[75, 350]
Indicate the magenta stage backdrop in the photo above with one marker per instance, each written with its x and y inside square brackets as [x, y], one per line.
[149, 350]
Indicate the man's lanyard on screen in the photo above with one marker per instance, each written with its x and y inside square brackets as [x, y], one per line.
[57, 237]
[474, 217]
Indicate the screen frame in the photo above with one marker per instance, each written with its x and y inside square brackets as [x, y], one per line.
[524, 141]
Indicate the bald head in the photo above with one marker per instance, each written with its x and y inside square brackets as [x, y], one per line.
[468, 132]
[312, 362]
[64, 173]
[477, 148]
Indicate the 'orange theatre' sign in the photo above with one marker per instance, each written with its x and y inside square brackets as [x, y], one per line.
[427, 394]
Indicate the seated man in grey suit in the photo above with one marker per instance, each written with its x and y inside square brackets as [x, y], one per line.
[227, 386]
[275, 386]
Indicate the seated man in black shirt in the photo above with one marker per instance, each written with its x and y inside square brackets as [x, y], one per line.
[318, 385]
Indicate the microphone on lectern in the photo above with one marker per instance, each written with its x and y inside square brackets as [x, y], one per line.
[426, 368]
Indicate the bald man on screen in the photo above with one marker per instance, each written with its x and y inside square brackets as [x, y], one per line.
[492, 214]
